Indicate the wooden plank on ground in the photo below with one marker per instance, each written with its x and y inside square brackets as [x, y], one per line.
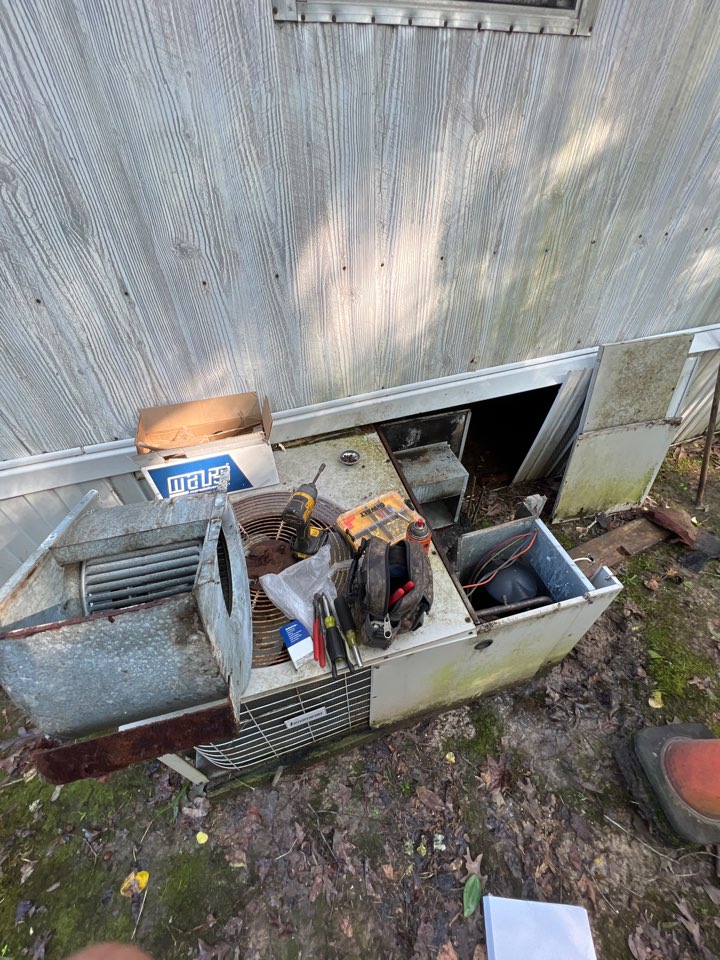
[612, 548]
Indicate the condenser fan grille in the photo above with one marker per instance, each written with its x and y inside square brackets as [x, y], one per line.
[258, 517]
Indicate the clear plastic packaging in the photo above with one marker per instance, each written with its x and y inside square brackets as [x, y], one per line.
[292, 591]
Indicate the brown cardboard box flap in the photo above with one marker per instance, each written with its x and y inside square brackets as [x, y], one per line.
[201, 421]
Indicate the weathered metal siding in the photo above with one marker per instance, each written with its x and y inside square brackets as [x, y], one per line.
[196, 200]
[695, 406]
[26, 521]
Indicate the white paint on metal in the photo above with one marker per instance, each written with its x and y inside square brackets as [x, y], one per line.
[448, 673]
[634, 382]
[554, 431]
[613, 469]
[116, 461]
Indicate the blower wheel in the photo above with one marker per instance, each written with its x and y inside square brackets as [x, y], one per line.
[267, 544]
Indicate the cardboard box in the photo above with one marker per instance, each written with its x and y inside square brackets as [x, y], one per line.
[177, 426]
[248, 463]
[188, 447]
[298, 642]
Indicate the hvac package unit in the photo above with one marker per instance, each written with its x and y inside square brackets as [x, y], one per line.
[454, 656]
[77, 658]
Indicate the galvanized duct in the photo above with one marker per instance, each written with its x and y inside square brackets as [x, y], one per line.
[139, 576]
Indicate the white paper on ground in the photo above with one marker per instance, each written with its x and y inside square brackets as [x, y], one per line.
[526, 930]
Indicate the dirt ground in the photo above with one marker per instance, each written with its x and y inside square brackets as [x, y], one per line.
[368, 853]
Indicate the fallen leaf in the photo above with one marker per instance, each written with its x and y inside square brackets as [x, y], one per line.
[388, 870]
[134, 882]
[690, 924]
[429, 799]
[201, 837]
[346, 928]
[199, 808]
[713, 893]
[26, 869]
[447, 952]
[53, 887]
[580, 827]
[652, 583]
[656, 700]
[472, 891]
[473, 866]
[56, 793]
[480, 952]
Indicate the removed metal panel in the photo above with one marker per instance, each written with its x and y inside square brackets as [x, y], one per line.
[549, 441]
[613, 469]
[103, 755]
[635, 381]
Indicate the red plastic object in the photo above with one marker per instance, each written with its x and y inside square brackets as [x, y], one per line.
[400, 592]
[692, 767]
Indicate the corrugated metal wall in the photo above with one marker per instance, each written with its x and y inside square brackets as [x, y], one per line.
[695, 407]
[26, 521]
[196, 200]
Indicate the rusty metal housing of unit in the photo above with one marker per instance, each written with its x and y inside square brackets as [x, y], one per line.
[128, 613]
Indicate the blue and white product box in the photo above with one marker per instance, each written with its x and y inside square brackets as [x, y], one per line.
[249, 462]
[298, 642]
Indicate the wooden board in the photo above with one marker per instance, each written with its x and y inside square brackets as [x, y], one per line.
[613, 548]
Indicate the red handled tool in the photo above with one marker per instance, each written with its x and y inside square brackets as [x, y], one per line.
[400, 592]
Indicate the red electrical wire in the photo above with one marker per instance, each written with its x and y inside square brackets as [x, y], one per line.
[491, 555]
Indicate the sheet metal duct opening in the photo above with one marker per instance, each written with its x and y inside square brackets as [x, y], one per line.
[503, 429]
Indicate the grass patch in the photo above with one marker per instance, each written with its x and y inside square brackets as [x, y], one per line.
[486, 740]
[672, 662]
[62, 836]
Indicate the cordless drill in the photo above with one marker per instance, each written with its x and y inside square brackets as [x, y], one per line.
[298, 515]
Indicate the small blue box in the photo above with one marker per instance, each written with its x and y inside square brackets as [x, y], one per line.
[298, 642]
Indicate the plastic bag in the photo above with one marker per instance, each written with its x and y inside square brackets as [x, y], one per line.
[292, 591]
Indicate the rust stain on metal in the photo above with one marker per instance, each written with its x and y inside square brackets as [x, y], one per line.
[268, 556]
[73, 621]
[103, 755]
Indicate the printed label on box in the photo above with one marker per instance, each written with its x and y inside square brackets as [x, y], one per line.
[251, 466]
[298, 642]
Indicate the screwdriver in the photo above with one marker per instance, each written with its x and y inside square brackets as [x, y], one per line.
[347, 625]
[334, 641]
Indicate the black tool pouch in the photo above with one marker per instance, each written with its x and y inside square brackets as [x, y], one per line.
[382, 569]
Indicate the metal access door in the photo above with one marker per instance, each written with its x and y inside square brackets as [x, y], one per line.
[625, 430]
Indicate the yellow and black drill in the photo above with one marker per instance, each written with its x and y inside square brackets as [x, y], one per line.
[298, 515]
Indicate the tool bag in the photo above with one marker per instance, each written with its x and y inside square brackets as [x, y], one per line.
[379, 571]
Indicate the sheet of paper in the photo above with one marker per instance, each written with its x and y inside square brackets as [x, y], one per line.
[536, 931]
